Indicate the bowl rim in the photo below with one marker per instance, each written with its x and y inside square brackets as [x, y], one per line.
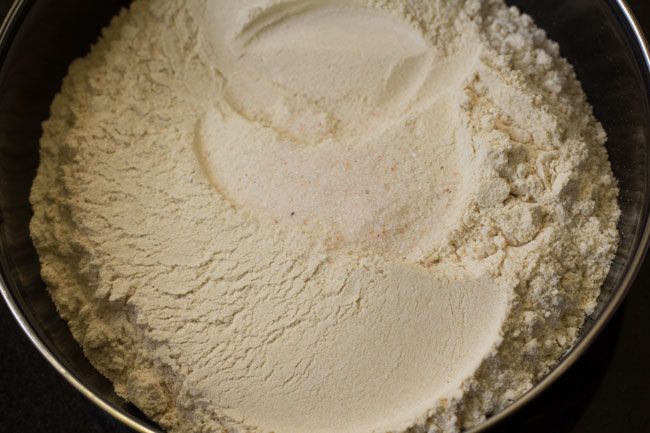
[12, 20]
[618, 295]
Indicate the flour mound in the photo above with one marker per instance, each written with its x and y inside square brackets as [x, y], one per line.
[324, 216]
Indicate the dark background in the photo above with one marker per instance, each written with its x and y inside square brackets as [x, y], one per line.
[607, 391]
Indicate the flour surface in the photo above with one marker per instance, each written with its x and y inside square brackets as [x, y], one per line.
[324, 215]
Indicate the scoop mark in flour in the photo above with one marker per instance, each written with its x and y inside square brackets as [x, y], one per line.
[388, 193]
[339, 119]
[318, 70]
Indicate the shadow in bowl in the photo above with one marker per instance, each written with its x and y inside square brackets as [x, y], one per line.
[51, 34]
[562, 405]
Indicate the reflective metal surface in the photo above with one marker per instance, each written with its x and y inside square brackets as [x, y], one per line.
[40, 38]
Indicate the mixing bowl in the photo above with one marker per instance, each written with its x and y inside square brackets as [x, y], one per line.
[40, 38]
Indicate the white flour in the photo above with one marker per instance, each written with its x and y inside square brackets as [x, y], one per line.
[323, 216]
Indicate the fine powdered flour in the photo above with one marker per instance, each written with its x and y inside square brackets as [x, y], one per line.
[323, 215]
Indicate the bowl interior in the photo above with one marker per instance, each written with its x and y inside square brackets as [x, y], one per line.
[48, 34]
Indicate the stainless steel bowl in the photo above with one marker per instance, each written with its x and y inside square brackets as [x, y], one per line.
[39, 39]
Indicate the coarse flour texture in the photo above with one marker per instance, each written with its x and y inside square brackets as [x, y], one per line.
[323, 215]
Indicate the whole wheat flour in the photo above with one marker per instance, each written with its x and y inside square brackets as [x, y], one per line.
[326, 215]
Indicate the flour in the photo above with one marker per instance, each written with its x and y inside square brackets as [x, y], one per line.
[327, 215]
